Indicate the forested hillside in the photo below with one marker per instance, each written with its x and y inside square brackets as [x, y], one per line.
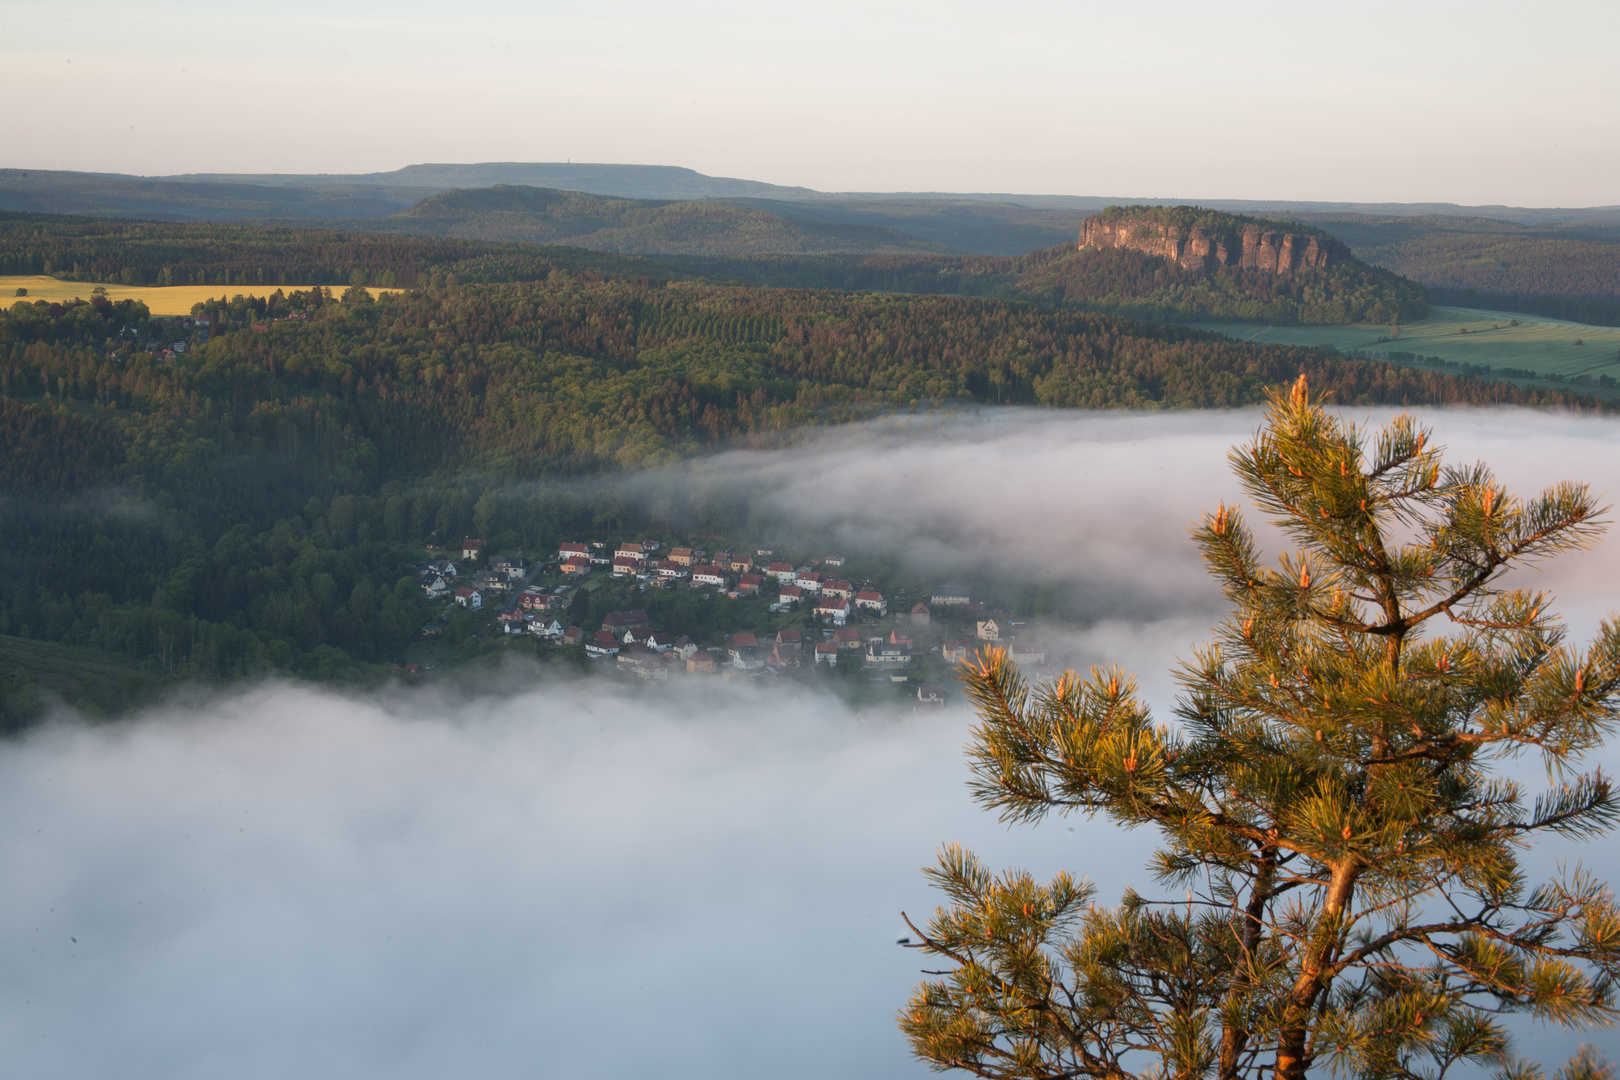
[254, 502]
[636, 227]
[1568, 271]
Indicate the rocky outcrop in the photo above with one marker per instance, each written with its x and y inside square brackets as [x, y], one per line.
[1200, 249]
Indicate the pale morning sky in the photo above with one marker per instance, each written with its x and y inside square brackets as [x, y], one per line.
[1474, 102]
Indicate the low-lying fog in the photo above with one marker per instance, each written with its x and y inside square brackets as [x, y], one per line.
[585, 878]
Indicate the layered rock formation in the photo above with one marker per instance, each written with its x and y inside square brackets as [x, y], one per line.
[1200, 249]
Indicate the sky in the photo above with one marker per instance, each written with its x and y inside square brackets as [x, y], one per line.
[525, 876]
[1474, 103]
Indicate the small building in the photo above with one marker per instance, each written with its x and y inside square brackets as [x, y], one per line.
[750, 584]
[573, 636]
[808, 580]
[711, 575]
[511, 622]
[684, 647]
[784, 656]
[624, 564]
[954, 651]
[659, 641]
[987, 630]
[847, 640]
[545, 627]
[827, 653]
[619, 622]
[740, 642]
[835, 608]
[510, 565]
[782, 572]
[740, 564]
[871, 600]
[670, 570]
[602, 643]
[790, 636]
[435, 587]
[700, 663]
[748, 659]
[898, 636]
[432, 630]
[835, 587]
[790, 594]
[950, 594]
[931, 694]
[1026, 653]
[488, 581]
[883, 655]
[568, 551]
[682, 555]
[833, 560]
[470, 598]
[576, 566]
[534, 598]
[920, 615]
[471, 548]
[631, 549]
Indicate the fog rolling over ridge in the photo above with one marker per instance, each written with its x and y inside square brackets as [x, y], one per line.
[588, 878]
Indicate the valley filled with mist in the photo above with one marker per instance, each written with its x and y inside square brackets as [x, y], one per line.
[518, 866]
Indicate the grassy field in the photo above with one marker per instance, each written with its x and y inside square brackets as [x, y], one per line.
[1493, 339]
[160, 300]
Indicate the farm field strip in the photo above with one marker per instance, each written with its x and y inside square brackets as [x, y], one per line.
[1539, 344]
[165, 300]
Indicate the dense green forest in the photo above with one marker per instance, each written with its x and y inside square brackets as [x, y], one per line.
[636, 226]
[1574, 260]
[258, 502]
[1117, 281]
[261, 257]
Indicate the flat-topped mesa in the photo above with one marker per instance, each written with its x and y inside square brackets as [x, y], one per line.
[1198, 248]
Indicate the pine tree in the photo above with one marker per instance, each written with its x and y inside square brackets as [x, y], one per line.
[1330, 801]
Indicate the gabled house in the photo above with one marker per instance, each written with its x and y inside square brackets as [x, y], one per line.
[1025, 653]
[618, 622]
[930, 696]
[534, 598]
[882, 654]
[709, 575]
[847, 640]
[740, 564]
[835, 587]
[898, 636]
[700, 663]
[631, 549]
[684, 647]
[833, 560]
[602, 643]
[435, 587]
[573, 636]
[750, 584]
[748, 658]
[568, 551]
[808, 580]
[488, 581]
[510, 565]
[790, 636]
[827, 653]
[511, 621]
[682, 555]
[790, 594]
[784, 655]
[669, 570]
[545, 627]
[576, 566]
[987, 630]
[871, 600]
[920, 615]
[782, 572]
[835, 608]
[740, 642]
[470, 598]
[659, 641]
[954, 651]
[624, 564]
[471, 549]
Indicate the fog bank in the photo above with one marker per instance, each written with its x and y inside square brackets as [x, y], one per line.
[584, 878]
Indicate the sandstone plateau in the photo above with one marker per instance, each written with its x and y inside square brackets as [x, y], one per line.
[1200, 249]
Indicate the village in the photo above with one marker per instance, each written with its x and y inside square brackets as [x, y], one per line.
[642, 609]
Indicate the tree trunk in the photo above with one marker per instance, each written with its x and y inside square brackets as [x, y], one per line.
[1313, 981]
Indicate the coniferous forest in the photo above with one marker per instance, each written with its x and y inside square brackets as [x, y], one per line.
[256, 502]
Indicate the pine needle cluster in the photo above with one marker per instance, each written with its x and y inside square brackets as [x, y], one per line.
[1331, 801]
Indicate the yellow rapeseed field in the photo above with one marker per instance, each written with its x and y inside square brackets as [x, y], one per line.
[160, 300]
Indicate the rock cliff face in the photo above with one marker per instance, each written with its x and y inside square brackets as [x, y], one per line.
[1200, 249]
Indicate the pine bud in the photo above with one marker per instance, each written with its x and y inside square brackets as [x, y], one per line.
[1300, 395]
[1318, 734]
[1580, 680]
[1489, 500]
[1304, 577]
[1218, 527]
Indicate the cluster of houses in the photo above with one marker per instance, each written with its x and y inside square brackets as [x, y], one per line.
[439, 578]
[736, 574]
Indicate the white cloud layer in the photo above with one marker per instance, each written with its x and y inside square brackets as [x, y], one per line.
[581, 878]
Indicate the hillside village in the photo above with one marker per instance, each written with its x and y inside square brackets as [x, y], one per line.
[646, 610]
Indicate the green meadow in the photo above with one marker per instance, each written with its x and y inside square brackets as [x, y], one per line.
[1505, 342]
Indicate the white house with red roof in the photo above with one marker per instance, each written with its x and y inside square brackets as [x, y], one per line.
[871, 600]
